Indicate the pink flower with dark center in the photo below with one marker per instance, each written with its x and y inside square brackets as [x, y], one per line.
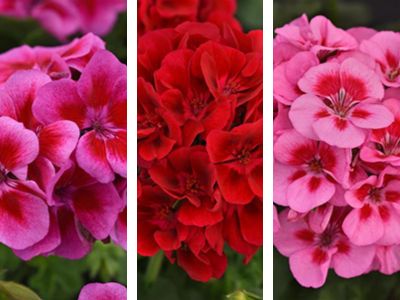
[341, 104]
[375, 217]
[384, 48]
[97, 104]
[383, 145]
[307, 172]
[311, 253]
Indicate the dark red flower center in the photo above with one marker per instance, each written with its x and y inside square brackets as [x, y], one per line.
[3, 175]
[231, 88]
[329, 236]
[192, 185]
[243, 155]
[152, 121]
[197, 104]
[341, 102]
[315, 165]
[375, 195]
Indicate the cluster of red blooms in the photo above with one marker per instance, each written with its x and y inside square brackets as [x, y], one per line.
[199, 135]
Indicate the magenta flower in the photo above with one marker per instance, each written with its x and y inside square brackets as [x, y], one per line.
[312, 252]
[307, 172]
[103, 291]
[57, 140]
[341, 104]
[97, 104]
[24, 216]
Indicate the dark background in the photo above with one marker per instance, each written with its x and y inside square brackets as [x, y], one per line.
[381, 15]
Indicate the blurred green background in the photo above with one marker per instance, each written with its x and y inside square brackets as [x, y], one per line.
[54, 278]
[381, 15]
[240, 282]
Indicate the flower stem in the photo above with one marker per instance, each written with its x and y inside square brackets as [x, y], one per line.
[153, 268]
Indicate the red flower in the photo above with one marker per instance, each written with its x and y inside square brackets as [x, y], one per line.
[188, 175]
[237, 156]
[163, 14]
[158, 131]
[158, 227]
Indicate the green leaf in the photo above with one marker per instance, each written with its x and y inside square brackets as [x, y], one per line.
[153, 268]
[15, 291]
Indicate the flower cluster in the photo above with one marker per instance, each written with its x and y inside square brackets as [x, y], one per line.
[336, 149]
[63, 18]
[199, 138]
[62, 148]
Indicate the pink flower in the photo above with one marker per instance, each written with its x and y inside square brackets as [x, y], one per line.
[375, 217]
[361, 33]
[388, 259]
[383, 47]
[97, 104]
[287, 75]
[319, 35]
[383, 145]
[103, 291]
[342, 102]
[311, 253]
[306, 171]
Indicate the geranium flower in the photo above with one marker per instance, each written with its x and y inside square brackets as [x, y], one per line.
[238, 162]
[96, 206]
[158, 227]
[318, 35]
[24, 218]
[374, 202]
[187, 174]
[158, 131]
[287, 75]
[97, 104]
[307, 172]
[383, 48]
[57, 140]
[383, 145]
[228, 72]
[311, 253]
[342, 102]
[188, 98]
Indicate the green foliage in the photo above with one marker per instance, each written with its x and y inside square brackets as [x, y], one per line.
[61, 279]
[15, 291]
